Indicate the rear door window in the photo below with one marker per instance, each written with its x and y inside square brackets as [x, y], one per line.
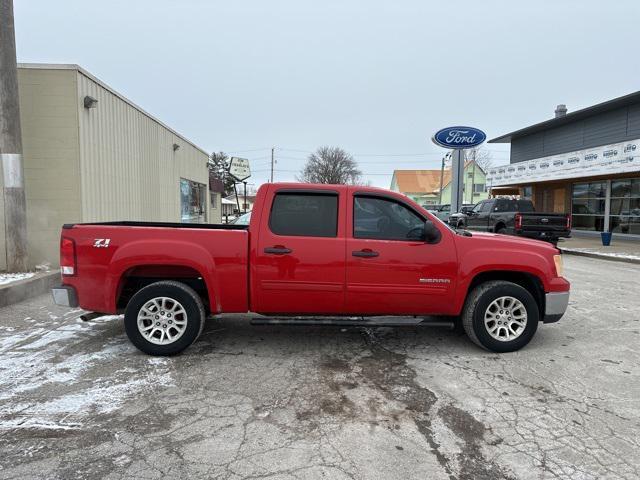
[304, 214]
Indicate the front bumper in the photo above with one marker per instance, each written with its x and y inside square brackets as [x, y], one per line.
[555, 305]
[65, 296]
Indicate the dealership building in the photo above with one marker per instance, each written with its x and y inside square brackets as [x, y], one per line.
[585, 162]
[90, 154]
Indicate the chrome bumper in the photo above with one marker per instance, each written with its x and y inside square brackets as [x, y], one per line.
[555, 305]
[65, 296]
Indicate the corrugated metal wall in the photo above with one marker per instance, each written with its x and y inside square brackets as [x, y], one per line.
[129, 169]
[601, 129]
[48, 101]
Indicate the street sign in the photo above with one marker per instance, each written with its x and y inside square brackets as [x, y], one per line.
[239, 168]
[459, 137]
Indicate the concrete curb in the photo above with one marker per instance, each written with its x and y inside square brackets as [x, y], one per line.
[23, 289]
[600, 256]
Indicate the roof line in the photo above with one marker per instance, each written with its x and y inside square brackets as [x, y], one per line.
[612, 104]
[79, 69]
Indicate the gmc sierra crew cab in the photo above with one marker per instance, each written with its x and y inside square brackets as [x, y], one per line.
[311, 250]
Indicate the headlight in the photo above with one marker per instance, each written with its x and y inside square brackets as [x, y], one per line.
[557, 259]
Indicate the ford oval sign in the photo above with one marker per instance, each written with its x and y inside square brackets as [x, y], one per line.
[459, 137]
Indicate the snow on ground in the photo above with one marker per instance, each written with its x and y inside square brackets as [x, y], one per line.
[625, 255]
[44, 369]
[6, 278]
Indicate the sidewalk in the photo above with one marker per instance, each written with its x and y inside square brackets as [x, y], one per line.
[619, 250]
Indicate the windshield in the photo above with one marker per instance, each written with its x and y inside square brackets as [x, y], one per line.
[242, 219]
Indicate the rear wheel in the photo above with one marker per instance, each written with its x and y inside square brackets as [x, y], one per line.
[501, 230]
[164, 318]
[500, 316]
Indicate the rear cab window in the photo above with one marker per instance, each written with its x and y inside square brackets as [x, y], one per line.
[525, 206]
[306, 214]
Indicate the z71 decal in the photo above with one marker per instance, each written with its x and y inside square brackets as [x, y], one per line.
[101, 242]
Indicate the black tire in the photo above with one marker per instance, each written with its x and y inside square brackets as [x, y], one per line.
[501, 230]
[477, 303]
[186, 296]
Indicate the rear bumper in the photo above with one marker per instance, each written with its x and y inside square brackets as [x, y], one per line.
[555, 306]
[548, 235]
[65, 296]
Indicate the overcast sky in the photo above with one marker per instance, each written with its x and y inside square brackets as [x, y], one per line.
[375, 78]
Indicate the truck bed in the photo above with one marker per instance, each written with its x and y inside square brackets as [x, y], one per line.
[114, 256]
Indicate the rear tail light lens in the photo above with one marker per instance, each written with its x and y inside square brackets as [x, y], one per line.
[67, 256]
[518, 219]
[568, 222]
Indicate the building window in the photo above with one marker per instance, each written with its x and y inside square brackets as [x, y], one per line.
[214, 200]
[479, 188]
[625, 206]
[527, 192]
[587, 205]
[192, 201]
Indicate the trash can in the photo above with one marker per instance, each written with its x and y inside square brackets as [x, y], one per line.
[606, 238]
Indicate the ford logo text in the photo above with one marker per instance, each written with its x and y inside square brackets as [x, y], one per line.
[459, 137]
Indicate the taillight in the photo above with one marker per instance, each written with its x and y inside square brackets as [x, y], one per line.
[568, 222]
[67, 256]
[518, 220]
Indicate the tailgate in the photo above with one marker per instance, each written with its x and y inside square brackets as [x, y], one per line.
[544, 222]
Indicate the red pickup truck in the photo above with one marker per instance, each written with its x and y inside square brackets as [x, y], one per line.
[311, 250]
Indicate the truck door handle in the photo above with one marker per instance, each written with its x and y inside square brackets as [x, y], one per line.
[366, 253]
[278, 250]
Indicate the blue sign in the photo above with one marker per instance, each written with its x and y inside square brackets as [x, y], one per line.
[459, 137]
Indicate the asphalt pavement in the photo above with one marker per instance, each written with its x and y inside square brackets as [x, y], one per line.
[282, 402]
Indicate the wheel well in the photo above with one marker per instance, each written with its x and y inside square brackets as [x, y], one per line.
[528, 281]
[140, 276]
[499, 226]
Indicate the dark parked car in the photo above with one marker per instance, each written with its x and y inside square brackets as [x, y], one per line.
[443, 212]
[514, 217]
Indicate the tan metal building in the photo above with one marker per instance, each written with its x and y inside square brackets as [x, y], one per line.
[90, 154]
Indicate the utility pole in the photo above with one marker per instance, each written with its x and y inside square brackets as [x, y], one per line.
[441, 179]
[272, 161]
[473, 182]
[15, 210]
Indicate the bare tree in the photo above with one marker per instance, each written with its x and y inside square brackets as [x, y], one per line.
[479, 155]
[331, 165]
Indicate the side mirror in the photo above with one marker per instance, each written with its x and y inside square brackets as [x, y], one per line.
[431, 233]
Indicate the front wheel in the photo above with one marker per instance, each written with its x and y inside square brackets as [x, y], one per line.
[500, 316]
[164, 318]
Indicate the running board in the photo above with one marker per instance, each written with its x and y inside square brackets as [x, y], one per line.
[345, 322]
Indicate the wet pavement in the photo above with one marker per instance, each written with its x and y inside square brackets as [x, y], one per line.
[78, 401]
